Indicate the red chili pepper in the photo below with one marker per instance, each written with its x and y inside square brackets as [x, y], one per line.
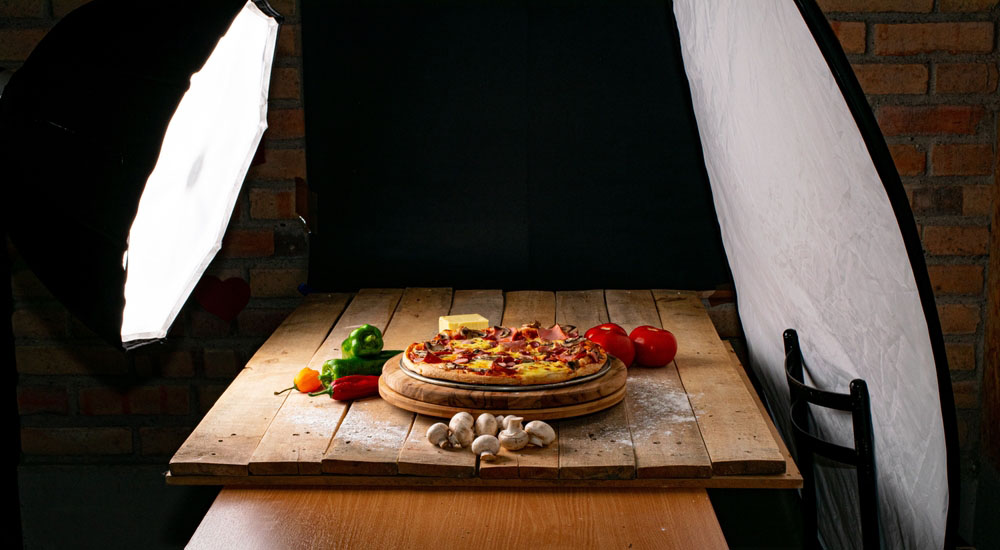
[351, 387]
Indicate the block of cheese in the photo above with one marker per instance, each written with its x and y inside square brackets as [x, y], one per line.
[472, 320]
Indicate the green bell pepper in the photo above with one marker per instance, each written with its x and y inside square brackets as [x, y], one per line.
[337, 368]
[364, 341]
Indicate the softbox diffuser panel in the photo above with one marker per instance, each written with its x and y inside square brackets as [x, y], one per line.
[190, 195]
[814, 244]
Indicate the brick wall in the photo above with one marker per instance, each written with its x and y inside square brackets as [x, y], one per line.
[929, 68]
[82, 401]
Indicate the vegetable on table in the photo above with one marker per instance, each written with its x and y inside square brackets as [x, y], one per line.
[654, 347]
[609, 327]
[307, 380]
[349, 387]
[364, 341]
[614, 340]
[337, 368]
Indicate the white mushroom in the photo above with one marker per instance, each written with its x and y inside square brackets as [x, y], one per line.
[500, 424]
[438, 434]
[486, 424]
[513, 437]
[461, 430]
[540, 434]
[486, 446]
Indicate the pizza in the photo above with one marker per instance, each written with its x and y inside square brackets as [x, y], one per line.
[523, 356]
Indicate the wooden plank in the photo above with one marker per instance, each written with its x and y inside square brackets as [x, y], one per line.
[596, 446]
[791, 469]
[373, 431]
[735, 434]
[488, 303]
[521, 307]
[526, 306]
[300, 433]
[768, 481]
[225, 439]
[631, 308]
[420, 458]
[668, 519]
[664, 431]
[581, 308]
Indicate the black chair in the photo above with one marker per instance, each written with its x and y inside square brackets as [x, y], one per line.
[862, 456]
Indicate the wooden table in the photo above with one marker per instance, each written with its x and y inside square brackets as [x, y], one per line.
[694, 424]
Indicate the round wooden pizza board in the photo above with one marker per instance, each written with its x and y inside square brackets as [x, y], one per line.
[414, 395]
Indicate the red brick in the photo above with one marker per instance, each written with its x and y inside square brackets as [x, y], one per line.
[977, 200]
[144, 400]
[965, 78]
[221, 363]
[246, 243]
[961, 356]
[285, 83]
[936, 199]
[285, 123]
[100, 401]
[288, 41]
[914, 38]
[272, 204]
[207, 396]
[909, 160]
[16, 44]
[277, 283]
[70, 360]
[21, 8]
[174, 364]
[162, 441]
[883, 78]
[966, 394]
[260, 322]
[42, 399]
[956, 279]
[39, 323]
[962, 160]
[62, 7]
[280, 164]
[967, 5]
[206, 325]
[168, 400]
[958, 318]
[828, 6]
[851, 35]
[930, 119]
[956, 240]
[76, 441]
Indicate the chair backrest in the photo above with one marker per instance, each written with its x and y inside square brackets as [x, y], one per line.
[862, 456]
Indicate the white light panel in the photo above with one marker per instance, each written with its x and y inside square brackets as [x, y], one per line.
[190, 195]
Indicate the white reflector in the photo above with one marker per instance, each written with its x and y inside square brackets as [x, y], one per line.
[190, 195]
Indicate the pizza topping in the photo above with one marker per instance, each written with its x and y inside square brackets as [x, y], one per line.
[573, 341]
[555, 332]
[430, 358]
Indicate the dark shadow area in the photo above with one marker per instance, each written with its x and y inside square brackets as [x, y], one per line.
[754, 519]
[108, 507]
[528, 145]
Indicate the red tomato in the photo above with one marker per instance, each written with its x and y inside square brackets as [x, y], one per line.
[654, 347]
[616, 344]
[605, 327]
